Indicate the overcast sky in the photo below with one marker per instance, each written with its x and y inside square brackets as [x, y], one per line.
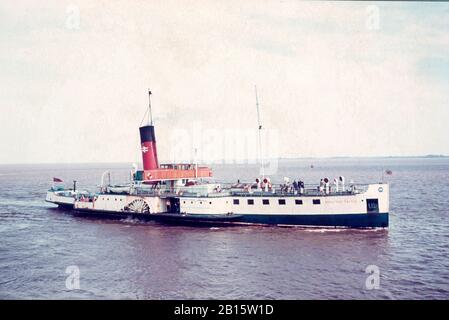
[334, 79]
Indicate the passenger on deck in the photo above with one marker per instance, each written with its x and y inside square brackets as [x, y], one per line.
[321, 187]
[301, 187]
[326, 186]
[336, 184]
[295, 187]
[259, 185]
[342, 182]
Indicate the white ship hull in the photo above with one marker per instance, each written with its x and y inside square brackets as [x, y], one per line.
[365, 209]
[64, 198]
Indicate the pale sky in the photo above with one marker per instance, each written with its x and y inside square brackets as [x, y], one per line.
[334, 78]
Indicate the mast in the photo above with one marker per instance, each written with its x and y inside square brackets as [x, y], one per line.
[150, 115]
[260, 135]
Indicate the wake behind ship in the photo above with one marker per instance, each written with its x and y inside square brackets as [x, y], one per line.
[180, 194]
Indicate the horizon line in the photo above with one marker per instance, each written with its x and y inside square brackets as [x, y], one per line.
[234, 161]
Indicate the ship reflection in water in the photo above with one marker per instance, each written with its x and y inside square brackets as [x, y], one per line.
[134, 259]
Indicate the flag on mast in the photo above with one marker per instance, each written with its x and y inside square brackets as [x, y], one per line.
[57, 180]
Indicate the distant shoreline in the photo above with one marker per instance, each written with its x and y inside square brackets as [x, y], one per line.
[241, 161]
[431, 156]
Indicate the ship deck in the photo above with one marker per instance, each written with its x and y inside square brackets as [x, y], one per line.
[232, 191]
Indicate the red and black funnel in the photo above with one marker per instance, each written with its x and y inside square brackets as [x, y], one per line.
[148, 147]
[148, 141]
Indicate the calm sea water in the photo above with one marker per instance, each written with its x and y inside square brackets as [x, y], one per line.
[145, 260]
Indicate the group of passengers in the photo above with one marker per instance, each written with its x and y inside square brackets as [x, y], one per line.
[325, 185]
[297, 187]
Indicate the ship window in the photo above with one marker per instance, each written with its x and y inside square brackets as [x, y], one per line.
[201, 202]
[251, 201]
[265, 201]
[316, 201]
[236, 201]
[183, 202]
[191, 202]
[298, 201]
[210, 202]
[282, 202]
[372, 205]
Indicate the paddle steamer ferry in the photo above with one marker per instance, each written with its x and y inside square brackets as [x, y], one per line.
[179, 193]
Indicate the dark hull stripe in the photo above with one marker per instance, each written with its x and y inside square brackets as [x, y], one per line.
[362, 220]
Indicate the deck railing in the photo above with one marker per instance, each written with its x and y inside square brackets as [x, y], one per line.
[242, 190]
